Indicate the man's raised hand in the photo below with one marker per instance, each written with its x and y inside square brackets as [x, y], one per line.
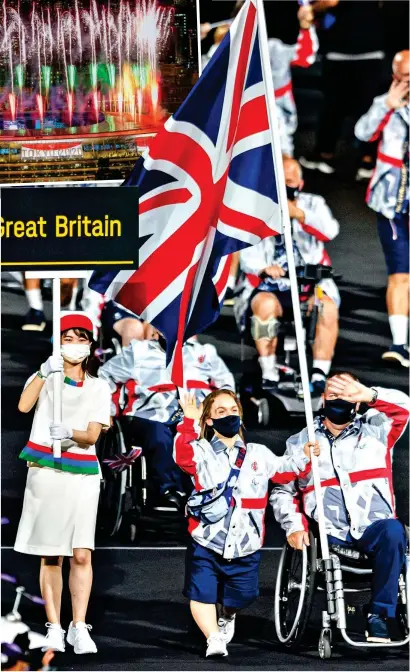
[397, 96]
[344, 387]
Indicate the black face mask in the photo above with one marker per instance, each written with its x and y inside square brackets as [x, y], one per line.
[227, 426]
[339, 411]
[292, 193]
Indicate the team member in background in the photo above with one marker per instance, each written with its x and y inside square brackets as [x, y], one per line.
[352, 44]
[269, 296]
[150, 410]
[284, 54]
[61, 496]
[35, 319]
[226, 510]
[357, 482]
[387, 121]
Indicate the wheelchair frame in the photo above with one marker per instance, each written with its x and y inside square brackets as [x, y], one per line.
[331, 572]
[129, 490]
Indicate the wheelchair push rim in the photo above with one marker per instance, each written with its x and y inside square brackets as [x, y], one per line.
[294, 592]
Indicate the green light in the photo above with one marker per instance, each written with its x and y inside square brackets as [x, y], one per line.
[46, 76]
[71, 76]
[111, 74]
[20, 75]
[93, 75]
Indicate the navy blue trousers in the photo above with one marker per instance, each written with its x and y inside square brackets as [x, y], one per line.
[385, 542]
[394, 237]
[156, 441]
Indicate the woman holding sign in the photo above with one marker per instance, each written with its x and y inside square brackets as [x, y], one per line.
[226, 510]
[61, 496]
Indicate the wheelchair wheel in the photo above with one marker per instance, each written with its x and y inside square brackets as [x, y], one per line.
[294, 592]
[403, 603]
[263, 412]
[325, 644]
[113, 486]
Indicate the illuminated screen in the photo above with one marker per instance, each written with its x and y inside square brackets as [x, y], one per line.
[78, 67]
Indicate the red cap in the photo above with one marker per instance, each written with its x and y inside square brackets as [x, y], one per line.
[76, 321]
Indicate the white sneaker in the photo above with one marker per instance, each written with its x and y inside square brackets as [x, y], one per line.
[227, 628]
[55, 638]
[79, 637]
[216, 645]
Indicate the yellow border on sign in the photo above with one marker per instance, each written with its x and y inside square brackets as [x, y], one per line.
[61, 263]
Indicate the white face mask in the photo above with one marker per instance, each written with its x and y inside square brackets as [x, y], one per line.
[75, 352]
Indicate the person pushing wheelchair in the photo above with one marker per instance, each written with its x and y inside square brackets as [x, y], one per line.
[355, 468]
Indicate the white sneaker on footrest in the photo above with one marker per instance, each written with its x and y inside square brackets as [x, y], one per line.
[55, 638]
[79, 637]
[216, 646]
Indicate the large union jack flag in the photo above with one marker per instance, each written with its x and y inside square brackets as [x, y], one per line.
[207, 188]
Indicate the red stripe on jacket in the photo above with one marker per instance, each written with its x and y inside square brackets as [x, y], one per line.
[381, 126]
[254, 502]
[397, 163]
[399, 417]
[396, 413]
[314, 232]
[355, 477]
[284, 89]
[184, 452]
[304, 49]
[289, 476]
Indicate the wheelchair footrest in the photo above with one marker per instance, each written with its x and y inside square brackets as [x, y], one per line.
[348, 553]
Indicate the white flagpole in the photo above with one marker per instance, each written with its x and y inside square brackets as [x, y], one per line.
[287, 232]
[221, 23]
[57, 377]
[198, 37]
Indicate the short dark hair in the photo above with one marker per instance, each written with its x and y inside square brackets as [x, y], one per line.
[334, 373]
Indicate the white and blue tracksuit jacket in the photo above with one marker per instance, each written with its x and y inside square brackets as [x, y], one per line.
[387, 194]
[241, 531]
[282, 58]
[355, 472]
[141, 385]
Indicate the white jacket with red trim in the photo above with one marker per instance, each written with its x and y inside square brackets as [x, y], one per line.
[310, 237]
[390, 129]
[355, 471]
[282, 58]
[242, 530]
[138, 376]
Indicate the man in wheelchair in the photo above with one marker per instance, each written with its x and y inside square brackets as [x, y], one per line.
[355, 467]
[264, 296]
[146, 401]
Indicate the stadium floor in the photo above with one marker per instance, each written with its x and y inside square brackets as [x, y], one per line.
[141, 621]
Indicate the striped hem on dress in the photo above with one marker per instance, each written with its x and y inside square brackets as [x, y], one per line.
[72, 462]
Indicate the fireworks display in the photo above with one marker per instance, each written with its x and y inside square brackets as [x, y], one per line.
[81, 63]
